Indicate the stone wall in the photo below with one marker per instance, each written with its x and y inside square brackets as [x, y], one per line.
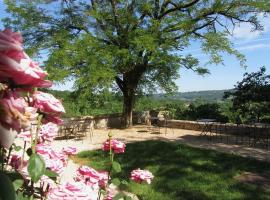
[227, 128]
[100, 121]
[115, 121]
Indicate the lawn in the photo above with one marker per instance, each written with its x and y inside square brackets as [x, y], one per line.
[183, 172]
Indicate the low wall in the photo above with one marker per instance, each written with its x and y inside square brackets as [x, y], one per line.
[100, 121]
[115, 121]
[227, 128]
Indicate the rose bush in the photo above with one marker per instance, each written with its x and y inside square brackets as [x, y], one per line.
[116, 145]
[139, 176]
[33, 116]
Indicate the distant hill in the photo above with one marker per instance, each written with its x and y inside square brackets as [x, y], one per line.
[207, 95]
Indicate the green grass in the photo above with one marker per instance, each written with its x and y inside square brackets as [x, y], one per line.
[183, 172]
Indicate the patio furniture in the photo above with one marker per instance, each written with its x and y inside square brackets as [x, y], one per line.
[154, 125]
[84, 128]
[68, 129]
[166, 126]
[207, 125]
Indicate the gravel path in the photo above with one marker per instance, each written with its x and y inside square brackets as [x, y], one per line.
[141, 133]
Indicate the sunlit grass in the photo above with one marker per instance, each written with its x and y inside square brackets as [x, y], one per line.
[183, 172]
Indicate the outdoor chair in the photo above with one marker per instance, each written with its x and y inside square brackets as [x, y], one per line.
[167, 117]
[67, 130]
[85, 127]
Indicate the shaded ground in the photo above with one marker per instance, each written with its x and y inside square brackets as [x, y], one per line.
[184, 172]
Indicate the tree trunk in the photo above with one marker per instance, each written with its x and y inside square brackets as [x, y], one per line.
[128, 85]
[128, 108]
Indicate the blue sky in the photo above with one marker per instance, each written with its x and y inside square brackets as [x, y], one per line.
[254, 45]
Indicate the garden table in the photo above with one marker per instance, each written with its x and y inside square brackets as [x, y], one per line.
[207, 126]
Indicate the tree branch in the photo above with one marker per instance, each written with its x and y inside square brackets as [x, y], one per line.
[176, 7]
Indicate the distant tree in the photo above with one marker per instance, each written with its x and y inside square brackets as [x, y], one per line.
[252, 95]
[134, 45]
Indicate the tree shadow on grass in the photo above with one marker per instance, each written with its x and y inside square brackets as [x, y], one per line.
[184, 172]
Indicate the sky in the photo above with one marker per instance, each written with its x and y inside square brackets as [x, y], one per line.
[254, 45]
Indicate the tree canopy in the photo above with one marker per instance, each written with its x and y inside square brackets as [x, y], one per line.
[132, 46]
[252, 95]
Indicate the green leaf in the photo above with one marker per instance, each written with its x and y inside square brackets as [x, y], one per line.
[17, 184]
[116, 167]
[116, 181]
[36, 167]
[21, 197]
[17, 148]
[128, 198]
[14, 176]
[103, 192]
[50, 173]
[118, 196]
[7, 191]
[124, 182]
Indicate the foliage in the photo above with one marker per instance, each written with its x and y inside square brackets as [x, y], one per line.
[184, 172]
[129, 45]
[251, 95]
[179, 109]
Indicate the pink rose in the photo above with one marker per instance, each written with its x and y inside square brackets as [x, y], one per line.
[69, 150]
[55, 165]
[47, 104]
[7, 136]
[72, 191]
[117, 146]
[139, 176]
[14, 113]
[15, 161]
[10, 40]
[48, 132]
[47, 182]
[111, 192]
[25, 135]
[92, 177]
[16, 65]
[56, 161]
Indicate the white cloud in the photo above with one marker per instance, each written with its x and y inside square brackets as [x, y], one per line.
[253, 47]
[244, 30]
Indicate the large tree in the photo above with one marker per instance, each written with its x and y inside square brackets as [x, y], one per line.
[251, 96]
[132, 45]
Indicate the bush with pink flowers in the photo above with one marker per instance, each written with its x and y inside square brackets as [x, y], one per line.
[33, 170]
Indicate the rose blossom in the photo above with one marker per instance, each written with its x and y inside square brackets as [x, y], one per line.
[15, 161]
[117, 146]
[7, 136]
[16, 65]
[69, 150]
[48, 132]
[139, 175]
[56, 161]
[47, 104]
[25, 135]
[72, 191]
[91, 177]
[13, 114]
[10, 40]
[111, 192]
